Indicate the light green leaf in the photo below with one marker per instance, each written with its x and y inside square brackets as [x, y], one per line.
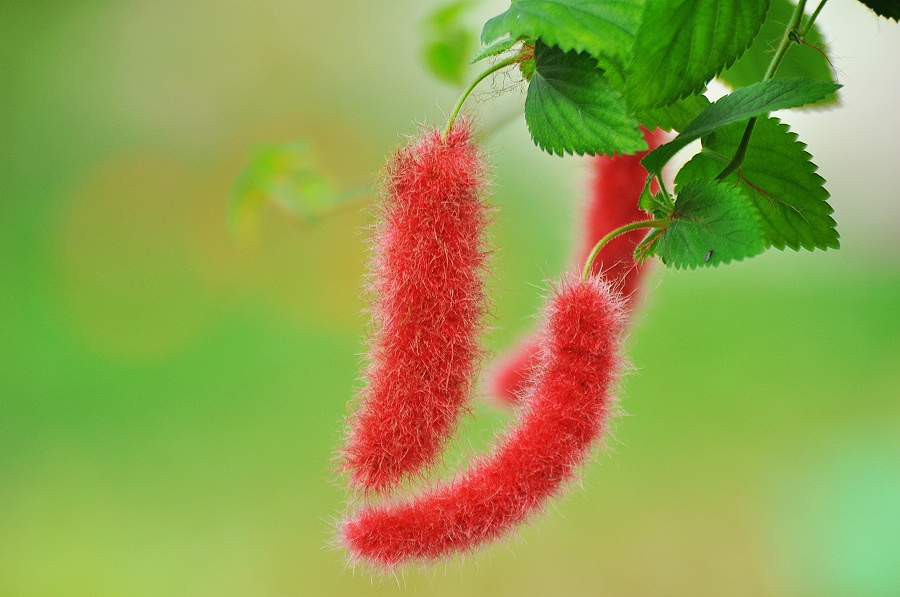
[744, 103]
[778, 177]
[605, 29]
[570, 108]
[498, 47]
[448, 42]
[284, 174]
[713, 223]
[809, 60]
[682, 44]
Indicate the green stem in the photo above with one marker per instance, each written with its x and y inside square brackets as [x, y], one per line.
[665, 192]
[812, 19]
[351, 198]
[658, 224]
[465, 94]
[741, 152]
[787, 39]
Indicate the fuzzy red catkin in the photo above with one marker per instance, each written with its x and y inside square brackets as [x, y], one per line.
[564, 415]
[429, 263]
[616, 186]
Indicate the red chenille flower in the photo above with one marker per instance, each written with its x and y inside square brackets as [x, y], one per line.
[562, 419]
[429, 262]
[613, 202]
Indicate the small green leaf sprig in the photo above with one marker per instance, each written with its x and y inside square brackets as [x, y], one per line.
[286, 175]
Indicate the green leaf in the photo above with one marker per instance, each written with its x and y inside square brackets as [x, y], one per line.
[448, 42]
[713, 223]
[808, 60]
[778, 177]
[744, 103]
[889, 9]
[682, 44]
[498, 47]
[527, 67]
[654, 203]
[605, 29]
[570, 108]
[674, 116]
[284, 174]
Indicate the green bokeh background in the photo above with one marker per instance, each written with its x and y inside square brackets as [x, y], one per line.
[170, 401]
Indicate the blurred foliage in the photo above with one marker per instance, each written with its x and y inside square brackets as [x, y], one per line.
[285, 174]
[449, 42]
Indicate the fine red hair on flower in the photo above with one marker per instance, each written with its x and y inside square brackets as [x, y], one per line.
[562, 419]
[616, 186]
[429, 263]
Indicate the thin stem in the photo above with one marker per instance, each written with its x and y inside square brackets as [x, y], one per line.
[658, 224]
[741, 152]
[812, 19]
[465, 94]
[351, 198]
[786, 40]
[665, 192]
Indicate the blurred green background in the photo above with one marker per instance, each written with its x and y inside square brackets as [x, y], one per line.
[170, 400]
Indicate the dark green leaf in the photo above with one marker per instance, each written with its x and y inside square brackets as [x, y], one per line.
[604, 29]
[682, 44]
[570, 108]
[674, 116]
[778, 177]
[448, 42]
[808, 60]
[746, 102]
[285, 174]
[889, 9]
[713, 223]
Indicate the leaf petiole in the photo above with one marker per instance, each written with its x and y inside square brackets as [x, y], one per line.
[740, 153]
[658, 224]
[662, 187]
[792, 34]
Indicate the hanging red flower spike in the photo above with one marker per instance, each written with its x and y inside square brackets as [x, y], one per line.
[616, 186]
[429, 278]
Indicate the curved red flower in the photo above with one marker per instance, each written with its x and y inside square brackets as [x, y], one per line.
[562, 419]
[613, 202]
[429, 265]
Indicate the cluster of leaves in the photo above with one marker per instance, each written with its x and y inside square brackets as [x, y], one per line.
[599, 70]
